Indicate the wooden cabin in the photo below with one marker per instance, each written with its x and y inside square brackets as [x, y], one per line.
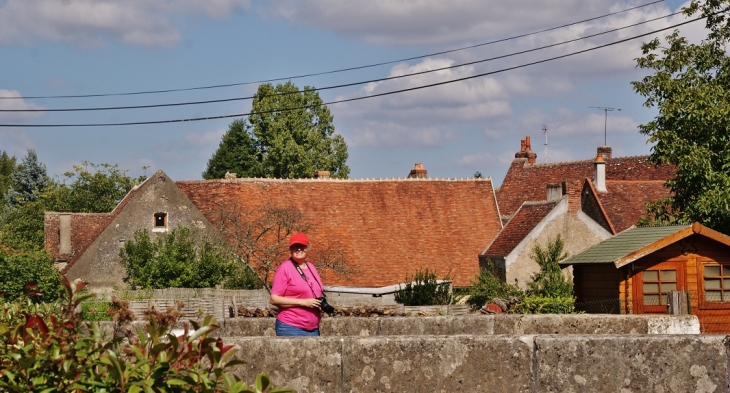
[635, 270]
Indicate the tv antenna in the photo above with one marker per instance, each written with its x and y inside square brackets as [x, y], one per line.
[544, 131]
[605, 119]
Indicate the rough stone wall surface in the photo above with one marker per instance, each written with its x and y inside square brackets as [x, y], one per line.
[575, 234]
[498, 363]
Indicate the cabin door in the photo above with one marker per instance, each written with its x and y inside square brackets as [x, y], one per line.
[652, 284]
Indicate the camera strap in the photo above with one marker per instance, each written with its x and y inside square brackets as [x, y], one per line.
[304, 277]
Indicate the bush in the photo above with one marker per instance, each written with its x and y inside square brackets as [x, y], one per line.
[95, 311]
[550, 281]
[486, 286]
[424, 290]
[62, 353]
[243, 278]
[545, 305]
[175, 260]
[17, 269]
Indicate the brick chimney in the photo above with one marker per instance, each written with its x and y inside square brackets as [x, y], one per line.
[526, 151]
[418, 172]
[599, 177]
[605, 151]
[321, 174]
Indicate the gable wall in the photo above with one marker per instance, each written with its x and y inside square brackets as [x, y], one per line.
[387, 229]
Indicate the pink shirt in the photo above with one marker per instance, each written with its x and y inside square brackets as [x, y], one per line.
[289, 283]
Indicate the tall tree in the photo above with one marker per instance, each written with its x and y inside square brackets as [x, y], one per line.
[689, 87]
[27, 182]
[7, 167]
[289, 135]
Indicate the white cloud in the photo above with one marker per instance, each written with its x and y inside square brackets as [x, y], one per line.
[12, 101]
[15, 142]
[90, 22]
[208, 138]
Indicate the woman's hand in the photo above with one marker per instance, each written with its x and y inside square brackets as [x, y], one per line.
[311, 303]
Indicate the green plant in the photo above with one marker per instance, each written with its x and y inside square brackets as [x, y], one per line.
[544, 305]
[486, 286]
[424, 290]
[95, 311]
[550, 281]
[177, 259]
[55, 350]
[18, 268]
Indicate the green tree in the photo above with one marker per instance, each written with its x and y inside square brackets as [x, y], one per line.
[27, 182]
[177, 259]
[7, 167]
[36, 267]
[550, 281]
[289, 135]
[689, 87]
[98, 190]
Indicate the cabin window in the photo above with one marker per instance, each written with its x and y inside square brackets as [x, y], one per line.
[656, 284]
[716, 281]
[159, 222]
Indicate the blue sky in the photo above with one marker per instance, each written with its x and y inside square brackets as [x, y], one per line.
[77, 47]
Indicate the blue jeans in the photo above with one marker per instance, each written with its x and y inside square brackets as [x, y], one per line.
[284, 329]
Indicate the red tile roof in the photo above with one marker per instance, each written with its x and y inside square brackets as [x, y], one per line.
[625, 202]
[521, 224]
[526, 182]
[387, 228]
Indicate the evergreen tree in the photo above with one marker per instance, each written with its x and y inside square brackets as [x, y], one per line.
[27, 182]
[288, 135]
[7, 167]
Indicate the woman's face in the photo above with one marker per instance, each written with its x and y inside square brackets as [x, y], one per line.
[298, 252]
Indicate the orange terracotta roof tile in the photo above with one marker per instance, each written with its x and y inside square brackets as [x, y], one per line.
[625, 202]
[521, 224]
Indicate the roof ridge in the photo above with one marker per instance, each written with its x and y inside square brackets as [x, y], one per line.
[330, 180]
[586, 160]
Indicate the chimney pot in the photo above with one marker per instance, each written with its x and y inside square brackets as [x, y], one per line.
[418, 172]
[599, 177]
[605, 151]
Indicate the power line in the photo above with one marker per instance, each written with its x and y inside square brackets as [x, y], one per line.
[341, 85]
[357, 98]
[337, 70]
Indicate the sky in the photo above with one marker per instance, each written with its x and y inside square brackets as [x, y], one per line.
[108, 48]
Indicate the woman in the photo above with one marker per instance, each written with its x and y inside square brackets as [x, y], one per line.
[295, 291]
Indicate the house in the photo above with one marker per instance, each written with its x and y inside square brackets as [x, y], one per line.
[635, 269]
[386, 229]
[585, 202]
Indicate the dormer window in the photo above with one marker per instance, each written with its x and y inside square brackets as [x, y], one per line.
[160, 222]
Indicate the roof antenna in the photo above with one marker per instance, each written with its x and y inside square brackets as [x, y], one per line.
[605, 120]
[544, 131]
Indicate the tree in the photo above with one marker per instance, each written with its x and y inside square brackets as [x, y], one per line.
[288, 135]
[36, 267]
[7, 167]
[27, 182]
[178, 259]
[95, 191]
[550, 281]
[689, 87]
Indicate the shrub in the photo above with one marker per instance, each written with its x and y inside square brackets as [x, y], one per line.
[95, 311]
[550, 281]
[62, 353]
[544, 305]
[424, 290]
[17, 269]
[243, 278]
[176, 260]
[486, 286]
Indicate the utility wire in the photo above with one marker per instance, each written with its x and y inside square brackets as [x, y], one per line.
[337, 70]
[357, 98]
[341, 85]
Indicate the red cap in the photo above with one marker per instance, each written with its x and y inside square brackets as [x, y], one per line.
[299, 238]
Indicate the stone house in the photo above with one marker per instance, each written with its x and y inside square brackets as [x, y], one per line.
[386, 229]
[585, 202]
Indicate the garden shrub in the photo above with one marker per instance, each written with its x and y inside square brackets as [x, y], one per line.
[60, 352]
[486, 286]
[545, 305]
[424, 290]
[96, 311]
[550, 280]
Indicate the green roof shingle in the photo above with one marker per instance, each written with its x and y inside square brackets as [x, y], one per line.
[623, 244]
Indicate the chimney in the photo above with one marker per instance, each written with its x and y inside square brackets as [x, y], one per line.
[418, 172]
[599, 178]
[526, 151]
[321, 174]
[554, 191]
[605, 151]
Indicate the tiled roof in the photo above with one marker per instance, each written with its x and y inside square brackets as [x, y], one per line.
[523, 221]
[525, 182]
[386, 228]
[623, 244]
[625, 202]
